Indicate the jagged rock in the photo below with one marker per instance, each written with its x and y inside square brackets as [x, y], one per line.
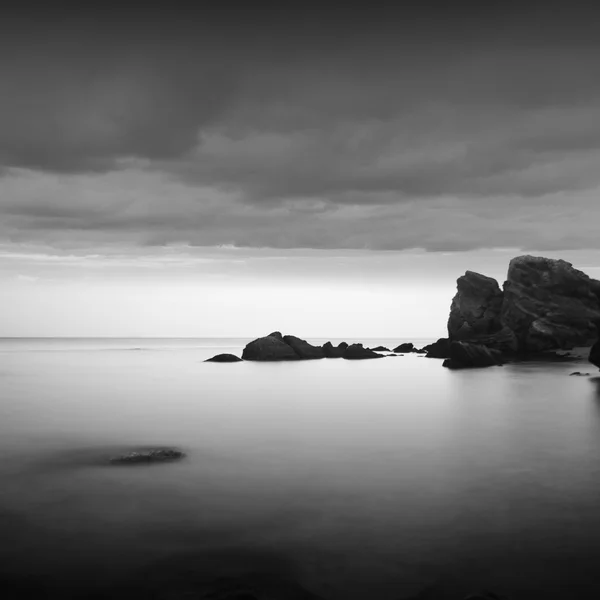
[464, 355]
[406, 347]
[439, 349]
[269, 348]
[332, 351]
[476, 307]
[303, 349]
[550, 305]
[148, 456]
[224, 358]
[546, 305]
[381, 349]
[358, 352]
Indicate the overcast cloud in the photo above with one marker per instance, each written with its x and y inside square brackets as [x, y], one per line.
[376, 130]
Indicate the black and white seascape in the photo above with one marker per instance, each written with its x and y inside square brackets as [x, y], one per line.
[299, 301]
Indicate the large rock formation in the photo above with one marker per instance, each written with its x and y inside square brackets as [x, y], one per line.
[269, 348]
[475, 310]
[550, 305]
[464, 356]
[546, 305]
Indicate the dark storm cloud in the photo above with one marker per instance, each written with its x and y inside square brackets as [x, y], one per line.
[287, 124]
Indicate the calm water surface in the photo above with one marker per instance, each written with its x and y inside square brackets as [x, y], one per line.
[365, 478]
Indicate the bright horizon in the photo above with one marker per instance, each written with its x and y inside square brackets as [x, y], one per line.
[239, 293]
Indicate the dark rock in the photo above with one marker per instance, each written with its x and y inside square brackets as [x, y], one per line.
[579, 373]
[358, 352]
[332, 351]
[406, 347]
[550, 305]
[464, 355]
[224, 358]
[475, 308]
[594, 356]
[269, 348]
[439, 349]
[545, 305]
[148, 456]
[381, 349]
[303, 349]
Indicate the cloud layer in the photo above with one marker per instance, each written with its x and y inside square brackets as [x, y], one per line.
[447, 130]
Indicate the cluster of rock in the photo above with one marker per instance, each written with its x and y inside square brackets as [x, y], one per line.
[276, 347]
[545, 305]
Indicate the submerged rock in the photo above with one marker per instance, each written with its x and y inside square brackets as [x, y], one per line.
[303, 349]
[269, 348]
[224, 358]
[406, 347]
[439, 349]
[358, 352]
[464, 356]
[579, 374]
[148, 456]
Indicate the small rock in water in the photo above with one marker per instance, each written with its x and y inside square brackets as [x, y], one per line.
[580, 374]
[224, 358]
[148, 456]
[381, 349]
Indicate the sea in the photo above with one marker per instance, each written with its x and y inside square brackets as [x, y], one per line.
[371, 479]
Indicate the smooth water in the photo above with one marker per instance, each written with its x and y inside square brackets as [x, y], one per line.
[366, 479]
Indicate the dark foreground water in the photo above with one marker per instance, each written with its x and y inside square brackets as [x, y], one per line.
[358, 479]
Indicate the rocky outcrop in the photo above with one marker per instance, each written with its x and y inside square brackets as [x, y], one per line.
[546, 304]
[332, 351]
[224, 358]
[464, 355]
[148, 456]
[358, 352]
[303, 349]
[269, 348]
[475, 309]
[406, 347]
[439, 349]
[550, 305]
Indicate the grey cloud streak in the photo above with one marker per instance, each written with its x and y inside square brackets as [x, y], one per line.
[443, 134]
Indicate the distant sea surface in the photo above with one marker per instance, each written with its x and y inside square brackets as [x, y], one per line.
[364, 479]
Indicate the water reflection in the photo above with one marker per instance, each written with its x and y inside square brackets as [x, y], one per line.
[357, 480]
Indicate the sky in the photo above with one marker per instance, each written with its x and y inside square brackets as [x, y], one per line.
[323, 169]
